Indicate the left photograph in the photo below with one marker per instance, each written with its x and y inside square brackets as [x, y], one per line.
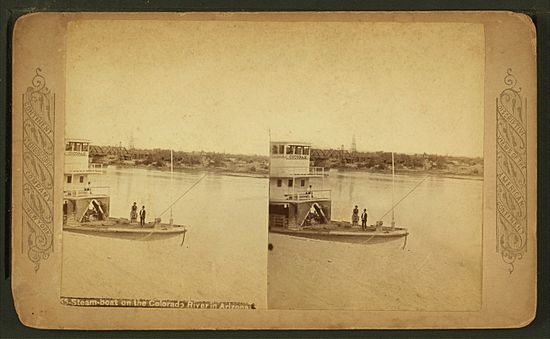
[158, 193]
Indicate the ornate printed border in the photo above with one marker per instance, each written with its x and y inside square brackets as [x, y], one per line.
[38, 163]
[511, 172]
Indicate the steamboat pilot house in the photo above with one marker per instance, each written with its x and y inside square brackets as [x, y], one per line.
[293, 203]
[82, 201]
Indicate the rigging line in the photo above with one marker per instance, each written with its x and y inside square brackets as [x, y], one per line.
[368, 240]
[406, 195]
[181, 196]
[183, 239]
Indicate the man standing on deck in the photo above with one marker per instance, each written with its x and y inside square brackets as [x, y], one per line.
[355, 216]
[309, 192]
[364, 219]
[142, 216]
[133, 213]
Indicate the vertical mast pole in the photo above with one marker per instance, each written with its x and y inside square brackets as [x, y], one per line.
[171, 182]
[392, 189]
[270, 170]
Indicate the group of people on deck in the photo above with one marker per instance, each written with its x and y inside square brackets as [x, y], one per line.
[355, 218]
[134, 214]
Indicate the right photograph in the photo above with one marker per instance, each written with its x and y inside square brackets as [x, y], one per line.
[378, 205]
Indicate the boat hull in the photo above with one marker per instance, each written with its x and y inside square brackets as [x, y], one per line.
[114, 228]
[355, 236]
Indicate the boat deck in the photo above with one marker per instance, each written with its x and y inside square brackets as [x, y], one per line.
[123, 228]
[345, 232]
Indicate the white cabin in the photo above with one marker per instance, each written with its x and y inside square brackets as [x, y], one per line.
[78, 170]
[83, 201]
[290, 172]
[293, 192]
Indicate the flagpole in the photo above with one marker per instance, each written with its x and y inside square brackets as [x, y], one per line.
[171, 182]
[392, 189]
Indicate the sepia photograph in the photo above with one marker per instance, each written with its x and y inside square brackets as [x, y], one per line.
[376, 183]
[165, 196]
[366, 138]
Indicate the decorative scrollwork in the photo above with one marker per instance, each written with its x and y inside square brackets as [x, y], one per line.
[510, 80]
[511, 173]
[38, 161]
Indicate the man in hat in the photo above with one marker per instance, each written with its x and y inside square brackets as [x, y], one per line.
[142, 216]
[309, 192]
[364, 219]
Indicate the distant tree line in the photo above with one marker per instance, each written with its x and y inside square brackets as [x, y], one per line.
[328, 158]
[382, 160]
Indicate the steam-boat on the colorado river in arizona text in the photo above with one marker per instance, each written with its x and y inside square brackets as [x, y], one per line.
[296, 209]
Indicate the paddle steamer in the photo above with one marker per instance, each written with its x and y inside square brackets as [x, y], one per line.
[86, 206]
[297, 208]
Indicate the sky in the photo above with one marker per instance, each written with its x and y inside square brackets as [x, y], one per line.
[224, 85]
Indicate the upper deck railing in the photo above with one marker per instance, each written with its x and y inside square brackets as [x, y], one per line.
[312, 195]
[317, 170]
[88, 191]
[92, 168]
[297, 171]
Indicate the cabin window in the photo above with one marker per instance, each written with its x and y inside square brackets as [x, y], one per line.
[290, 183]
[281, 149]
[78, 146]
[85, 147]
[289, 149]
[275, 149]
[299, 150]
[81, 179]
[69, 179]
[306, 150]
[302, 182]
[68, 146]
[279, 182]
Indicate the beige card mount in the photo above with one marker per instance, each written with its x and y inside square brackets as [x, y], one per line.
[332, 170]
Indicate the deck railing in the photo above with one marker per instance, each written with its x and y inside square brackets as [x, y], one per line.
[97, 167]
[315, 194]
[317, 170]
[276, 220]
[83, 192]
[92, 168]
[299, 170]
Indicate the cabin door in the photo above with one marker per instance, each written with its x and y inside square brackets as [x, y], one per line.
[65, 210]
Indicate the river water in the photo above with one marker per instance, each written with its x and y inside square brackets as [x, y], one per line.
[225, 255]
[438, 270]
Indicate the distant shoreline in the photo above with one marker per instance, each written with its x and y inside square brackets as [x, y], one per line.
[265, 174]
[379, 162]
[217, 170]
[409, 172]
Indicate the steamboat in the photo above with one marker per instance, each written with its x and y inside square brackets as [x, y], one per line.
[86, 206]
[296, 209]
